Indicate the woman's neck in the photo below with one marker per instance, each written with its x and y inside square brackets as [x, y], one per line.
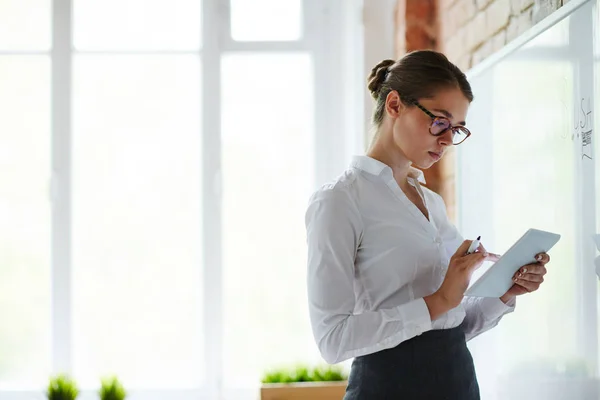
[392, 156]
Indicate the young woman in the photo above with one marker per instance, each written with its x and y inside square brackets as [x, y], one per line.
[387, 270]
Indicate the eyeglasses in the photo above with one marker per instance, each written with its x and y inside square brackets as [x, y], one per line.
[440, 125]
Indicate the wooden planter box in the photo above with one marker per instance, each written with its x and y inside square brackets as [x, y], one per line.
[303, 391]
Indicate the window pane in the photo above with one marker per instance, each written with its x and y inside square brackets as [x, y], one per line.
[24, 220]
[136, 219]
[25, 25]
[266, 20]
[532, 159]
[558, 36]
[137, 24]
[553, 179]
[268, 164]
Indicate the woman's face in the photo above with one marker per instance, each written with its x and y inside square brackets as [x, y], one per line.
[410, 128]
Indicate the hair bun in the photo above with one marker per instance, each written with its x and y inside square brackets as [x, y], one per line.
[377, 76]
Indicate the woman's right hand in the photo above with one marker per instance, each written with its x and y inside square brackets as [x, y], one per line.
[458, 276]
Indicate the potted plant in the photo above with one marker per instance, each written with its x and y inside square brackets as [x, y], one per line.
[301, 382]
[62, 387]
[111, 389]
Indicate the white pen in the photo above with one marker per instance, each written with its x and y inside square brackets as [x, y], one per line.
[474, 245]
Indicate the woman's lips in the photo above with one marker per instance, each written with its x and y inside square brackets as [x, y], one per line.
[435, 156]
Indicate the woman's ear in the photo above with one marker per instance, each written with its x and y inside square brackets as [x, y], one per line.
[393, 104]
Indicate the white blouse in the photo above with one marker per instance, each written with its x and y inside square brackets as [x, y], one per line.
[373, 256]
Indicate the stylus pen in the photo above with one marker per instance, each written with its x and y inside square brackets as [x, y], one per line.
[474, 245]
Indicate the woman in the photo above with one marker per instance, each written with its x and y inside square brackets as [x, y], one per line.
[387, 270]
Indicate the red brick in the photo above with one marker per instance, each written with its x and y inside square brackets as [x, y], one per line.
[400, 33]
[417, 38]
[422, 10]
[420, 26]
[496, 16]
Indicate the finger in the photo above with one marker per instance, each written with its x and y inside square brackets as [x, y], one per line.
[474, 261]
[492, 257]
[527, 285]
[463, 247]
[537, 269]
[542, 258]
[481, 249]
[529, 277]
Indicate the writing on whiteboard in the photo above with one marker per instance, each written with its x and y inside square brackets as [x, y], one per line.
[586, 144]
[583, 127]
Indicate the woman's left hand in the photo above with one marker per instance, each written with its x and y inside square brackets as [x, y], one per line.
[528, 278]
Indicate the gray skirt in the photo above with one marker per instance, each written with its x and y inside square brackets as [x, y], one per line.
[436, 365]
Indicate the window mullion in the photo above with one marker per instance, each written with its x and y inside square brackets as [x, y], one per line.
[61, 186]
[212, 25]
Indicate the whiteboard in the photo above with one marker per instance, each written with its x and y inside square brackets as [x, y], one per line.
[532, 162]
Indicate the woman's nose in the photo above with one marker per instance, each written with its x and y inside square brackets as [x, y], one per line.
[446, 138]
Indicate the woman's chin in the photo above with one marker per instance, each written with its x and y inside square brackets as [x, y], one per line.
[424, 164]
[431, 159]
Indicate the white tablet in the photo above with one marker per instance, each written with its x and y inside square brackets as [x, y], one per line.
[498, 278]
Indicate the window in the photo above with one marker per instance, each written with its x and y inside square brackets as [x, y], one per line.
[24, 218]
[527, 169]
[269, 259]
[25, 213]
[157, 158]
[136, 218]
[137, 25]
[25, 25]
[266, 20]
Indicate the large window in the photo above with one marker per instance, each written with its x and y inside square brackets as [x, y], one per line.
[529, 167]
[157, 158]
[25, 213]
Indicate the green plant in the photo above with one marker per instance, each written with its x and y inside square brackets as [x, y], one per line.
[329, 373]
[62, 387]
[301, 373]
[112, 389]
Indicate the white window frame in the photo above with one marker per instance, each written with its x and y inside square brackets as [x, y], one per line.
[340, 121]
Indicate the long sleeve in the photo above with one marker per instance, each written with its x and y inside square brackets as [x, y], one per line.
[482, 314]
[334, 231]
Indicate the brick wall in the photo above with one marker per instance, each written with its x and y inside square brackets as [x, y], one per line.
[471, 30]
[467, 31]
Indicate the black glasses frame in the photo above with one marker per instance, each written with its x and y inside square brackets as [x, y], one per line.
[434, 118]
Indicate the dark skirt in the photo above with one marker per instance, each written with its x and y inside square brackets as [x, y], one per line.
[434, 365]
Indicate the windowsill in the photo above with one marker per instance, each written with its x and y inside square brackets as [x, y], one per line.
[147, 394]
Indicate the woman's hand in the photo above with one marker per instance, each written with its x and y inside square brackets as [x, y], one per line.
[458, 276]
[528, 278]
